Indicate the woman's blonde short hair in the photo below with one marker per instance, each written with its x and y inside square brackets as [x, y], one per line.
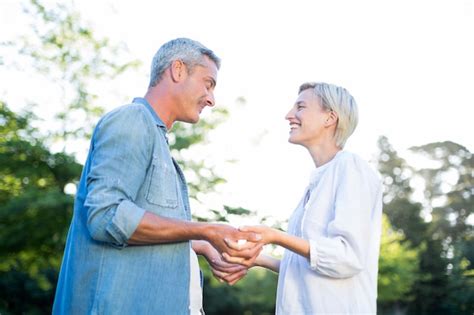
[340, 101]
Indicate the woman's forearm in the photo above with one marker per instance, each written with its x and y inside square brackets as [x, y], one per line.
[268, 262]
[290, 242]
[270, 235]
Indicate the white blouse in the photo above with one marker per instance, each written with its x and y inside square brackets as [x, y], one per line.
[342, 222]
[195, 290]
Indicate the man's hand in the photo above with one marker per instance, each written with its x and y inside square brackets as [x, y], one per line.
[223, 271]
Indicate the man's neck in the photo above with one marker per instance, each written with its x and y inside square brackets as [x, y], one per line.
[159, 101]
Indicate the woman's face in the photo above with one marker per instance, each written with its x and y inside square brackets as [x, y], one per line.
[308, 120]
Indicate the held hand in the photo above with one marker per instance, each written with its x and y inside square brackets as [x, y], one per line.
[233, 278]
[248, 263]
[223, 271]
[241, 246]
[218, 264]
[218, 233]
[268, 234]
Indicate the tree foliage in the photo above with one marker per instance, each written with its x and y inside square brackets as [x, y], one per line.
[398, 267]
[436, 224]
[34, 215]
[63, 49]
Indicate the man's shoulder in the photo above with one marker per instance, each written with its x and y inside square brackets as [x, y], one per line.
[130, 110]
[127, 115]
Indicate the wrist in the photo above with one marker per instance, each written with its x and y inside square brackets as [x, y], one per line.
[200, 247]
[264, 261]
[277, 237]
[201, 231]
[260, 261]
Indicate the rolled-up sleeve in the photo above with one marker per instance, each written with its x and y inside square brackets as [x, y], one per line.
[342, 253]
[121, 154]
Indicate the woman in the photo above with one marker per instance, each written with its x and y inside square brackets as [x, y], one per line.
[331, 262]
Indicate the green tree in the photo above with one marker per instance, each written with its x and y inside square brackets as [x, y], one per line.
[398, 269]
[62, 48]
[403, 212]
[437, 222]
[448, 194]
[34, 214]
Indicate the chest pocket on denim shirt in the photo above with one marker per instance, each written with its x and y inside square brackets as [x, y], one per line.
[163, 186]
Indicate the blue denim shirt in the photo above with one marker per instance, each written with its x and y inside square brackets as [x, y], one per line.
[129, 170]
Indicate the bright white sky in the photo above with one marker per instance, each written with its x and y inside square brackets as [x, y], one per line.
[409, 64]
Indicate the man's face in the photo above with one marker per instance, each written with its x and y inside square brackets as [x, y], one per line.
[307, 119]
[197, 91]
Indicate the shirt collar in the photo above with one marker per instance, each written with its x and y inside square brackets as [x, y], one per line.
[158, 121]
[319, 171]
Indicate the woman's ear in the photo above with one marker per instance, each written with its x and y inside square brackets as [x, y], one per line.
[177, 70]
[331, 119]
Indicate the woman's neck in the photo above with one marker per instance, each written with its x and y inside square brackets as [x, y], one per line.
[323, 153]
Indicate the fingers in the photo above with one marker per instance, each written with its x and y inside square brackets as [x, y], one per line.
[232, 244]
[248, 262]
[220, 263]
[246, 253]
[230, 278]
[226, 267]
[240, 244]
[219, 275]
[248, 228]
[246, 250]
[250, 236]
[233, 278]
[233, 259]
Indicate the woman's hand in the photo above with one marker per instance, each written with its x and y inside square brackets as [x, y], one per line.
[296, 244]
[268, 235]
[217, 234]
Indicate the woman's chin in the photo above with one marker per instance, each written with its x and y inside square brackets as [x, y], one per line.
[292, 140]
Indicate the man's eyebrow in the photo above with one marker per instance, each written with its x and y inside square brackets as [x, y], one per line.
[300, 103]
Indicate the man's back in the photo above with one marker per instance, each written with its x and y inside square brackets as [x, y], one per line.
[129, 170]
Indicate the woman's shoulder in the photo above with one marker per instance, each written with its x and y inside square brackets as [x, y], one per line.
[353, 163]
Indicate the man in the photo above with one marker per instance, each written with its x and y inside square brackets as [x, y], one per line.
[128, 249]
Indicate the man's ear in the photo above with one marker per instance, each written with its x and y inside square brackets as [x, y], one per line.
[331, 119]
[177, 70]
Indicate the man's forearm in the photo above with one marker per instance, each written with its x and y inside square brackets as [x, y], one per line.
[154, 229]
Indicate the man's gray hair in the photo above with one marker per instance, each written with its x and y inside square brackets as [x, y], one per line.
[339, 100]
[189, 51]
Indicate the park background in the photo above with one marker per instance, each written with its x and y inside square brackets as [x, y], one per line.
[409, 65]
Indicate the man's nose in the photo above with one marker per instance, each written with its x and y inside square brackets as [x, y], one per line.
[210, 101]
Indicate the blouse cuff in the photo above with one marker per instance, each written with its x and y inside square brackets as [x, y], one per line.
[313, 254]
